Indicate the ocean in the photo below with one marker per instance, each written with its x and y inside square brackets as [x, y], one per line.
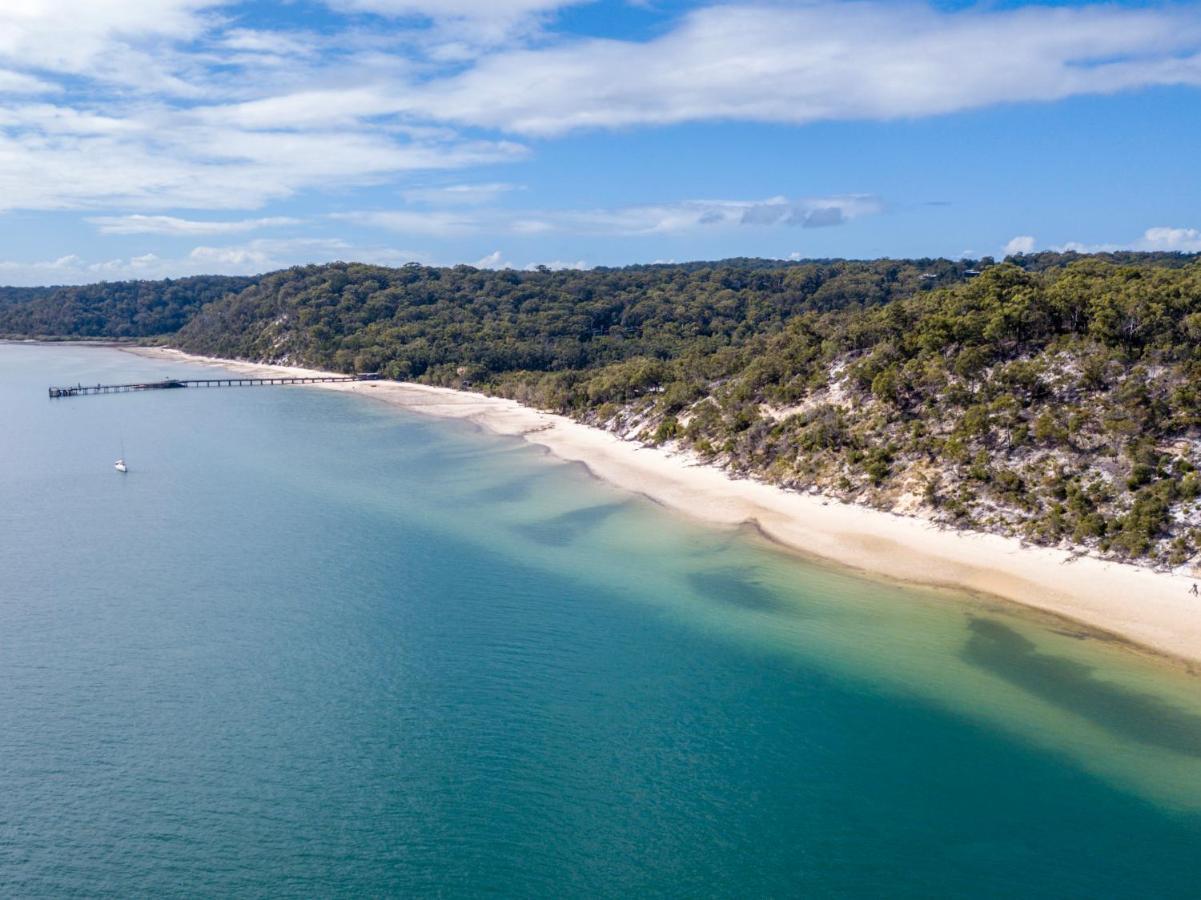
[312, 645]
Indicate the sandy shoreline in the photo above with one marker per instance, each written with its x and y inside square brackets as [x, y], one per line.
[1152, 609]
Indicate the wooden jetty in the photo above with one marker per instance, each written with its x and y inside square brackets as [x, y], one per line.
[80, 390]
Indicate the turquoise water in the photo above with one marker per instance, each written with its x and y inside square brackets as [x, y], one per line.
[314, 646]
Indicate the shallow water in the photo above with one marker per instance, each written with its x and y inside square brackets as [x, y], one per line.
[314, 645]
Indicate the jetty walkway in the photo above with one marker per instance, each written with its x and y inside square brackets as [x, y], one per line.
[79, 390]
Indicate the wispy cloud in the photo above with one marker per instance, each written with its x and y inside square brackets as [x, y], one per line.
[439, 223]
[266, 253]
[72, 269]
[821, 61]
[458, 194]
[18, 83]
[172, 225]
[160, 104]
[250, 258]
[666, 218]
[461, 28]
[160, 160]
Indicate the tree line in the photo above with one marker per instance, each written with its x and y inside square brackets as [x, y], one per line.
[1052, 396]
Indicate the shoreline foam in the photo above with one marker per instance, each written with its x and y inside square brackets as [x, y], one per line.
[1148, 608]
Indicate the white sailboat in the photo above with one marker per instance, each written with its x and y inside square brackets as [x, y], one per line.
[119, 465]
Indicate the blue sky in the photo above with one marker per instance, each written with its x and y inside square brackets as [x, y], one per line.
[153, 138]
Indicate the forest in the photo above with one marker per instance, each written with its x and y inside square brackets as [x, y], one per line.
[115, 310]
[1055, 397]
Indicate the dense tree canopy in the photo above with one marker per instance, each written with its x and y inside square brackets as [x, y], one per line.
[10, 296]
[118, 309]
[427, 323]
[1055, 396]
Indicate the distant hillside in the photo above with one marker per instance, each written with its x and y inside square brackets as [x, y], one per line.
[1053, 396]
[428, 323]
[118, 309]
[12, 295]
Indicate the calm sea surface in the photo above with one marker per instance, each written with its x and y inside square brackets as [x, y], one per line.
[314, 646]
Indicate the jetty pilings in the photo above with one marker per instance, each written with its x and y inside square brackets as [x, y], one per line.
[80, 390]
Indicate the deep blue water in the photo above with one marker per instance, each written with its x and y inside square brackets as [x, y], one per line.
[314, 646]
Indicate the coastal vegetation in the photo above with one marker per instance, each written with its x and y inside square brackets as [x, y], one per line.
[114, 310]
[1056, 397]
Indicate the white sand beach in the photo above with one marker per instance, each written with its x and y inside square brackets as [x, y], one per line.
[1152, 609]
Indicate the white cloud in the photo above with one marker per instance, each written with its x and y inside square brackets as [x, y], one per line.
[494, 260]
[821, 61]
[18, 83]
[458, 194]
[105, 40]
[265, 254]
[174, 226]
[38, 271]
[276, 45]
[315, 108]
[666, 218]
[162, 159]
[462, 27]
[72, 269]
[1161, 238]
[817, 212]
[453, 9]
[1023, 243]
[1183, 240]
[439, 223]
[152, 105]
[166, 103]
[251, 258]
